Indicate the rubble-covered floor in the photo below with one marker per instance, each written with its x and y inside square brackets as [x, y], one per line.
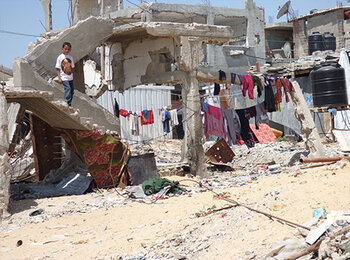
[107, 226]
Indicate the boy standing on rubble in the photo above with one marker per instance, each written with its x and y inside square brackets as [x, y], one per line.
[64, 67]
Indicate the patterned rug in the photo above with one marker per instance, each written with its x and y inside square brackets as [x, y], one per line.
[105, 156]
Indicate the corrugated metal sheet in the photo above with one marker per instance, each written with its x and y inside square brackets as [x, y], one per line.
[137, 99]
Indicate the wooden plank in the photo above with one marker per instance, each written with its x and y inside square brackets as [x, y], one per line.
[44, 149]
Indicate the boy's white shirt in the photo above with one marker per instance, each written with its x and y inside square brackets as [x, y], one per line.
[64, 76]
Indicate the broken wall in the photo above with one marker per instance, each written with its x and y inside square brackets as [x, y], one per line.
[141, 57]
[82, 9]
[332, 22]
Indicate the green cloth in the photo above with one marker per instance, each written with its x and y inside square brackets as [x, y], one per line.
[257, 82]
[155, 185]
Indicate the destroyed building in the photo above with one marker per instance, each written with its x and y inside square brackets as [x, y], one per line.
[5, 74]
[330, 24]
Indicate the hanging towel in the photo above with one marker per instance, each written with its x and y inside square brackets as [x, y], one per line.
[150, 118]
[134, 124]
[174, 119]
[124, 112]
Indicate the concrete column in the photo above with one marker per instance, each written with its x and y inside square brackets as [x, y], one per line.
[46, 4]
[120, 5]
[191, 54]
[5, 175]
[210, 48]
[75, 11]
[340, 35]
[303, 114]
[300, 39]
[193, 126]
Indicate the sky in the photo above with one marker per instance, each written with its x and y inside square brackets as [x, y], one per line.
[26, 16]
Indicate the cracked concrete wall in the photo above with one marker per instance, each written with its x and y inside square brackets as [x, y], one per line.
[85, 36]
[248, 22]
[150, 56]
[332, 22]
[82, 9]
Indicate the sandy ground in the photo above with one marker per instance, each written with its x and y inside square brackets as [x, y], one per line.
[168, 228]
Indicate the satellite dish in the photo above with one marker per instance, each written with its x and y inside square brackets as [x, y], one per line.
[284, 10]
[287, 49]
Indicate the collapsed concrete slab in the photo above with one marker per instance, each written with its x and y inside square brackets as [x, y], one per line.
[85, 36]
[150, 52]
[89, 111]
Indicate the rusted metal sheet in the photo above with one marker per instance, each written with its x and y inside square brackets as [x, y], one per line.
[220, 152]
[46, 149]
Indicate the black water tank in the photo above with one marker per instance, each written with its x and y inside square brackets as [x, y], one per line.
[328, 85]
[329, 41]
[315, 42]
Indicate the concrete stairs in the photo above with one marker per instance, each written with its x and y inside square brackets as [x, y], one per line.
[34, 74]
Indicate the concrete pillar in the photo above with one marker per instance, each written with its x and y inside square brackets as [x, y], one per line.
[300, 38]
[191, 54]
[340, 35]
[210, 48]
[303, 114]
[193, 126]
[5, 175]
[48, 14]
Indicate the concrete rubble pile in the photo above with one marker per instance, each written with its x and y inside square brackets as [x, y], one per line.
[283, 66]
[328, 239]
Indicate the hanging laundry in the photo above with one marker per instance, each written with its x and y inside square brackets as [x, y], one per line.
[245, 129]
[225, 99]
[247, 83]
[233, 125]
[291, 87]
[165, 120]
[204, 106]
[134, 124]
[124, 112]
[233, 77]
[174, 119]
[147, 117]
[269, 96]
[116, 108]
[285, 83]
[216, 89]
[257, 82]
[260, 114]
[214, 123]
[222, 75]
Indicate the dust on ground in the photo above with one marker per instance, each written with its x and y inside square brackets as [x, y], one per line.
[105, 225]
